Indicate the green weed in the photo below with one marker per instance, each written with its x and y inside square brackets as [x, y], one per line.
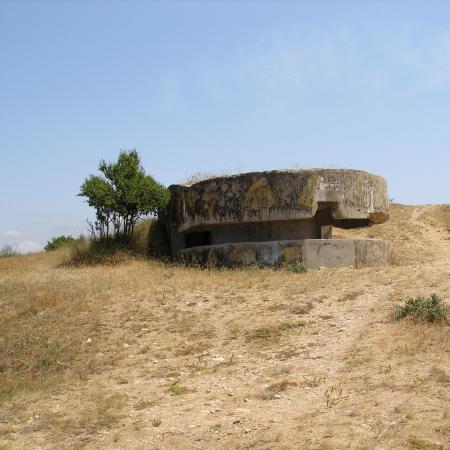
[428, 309]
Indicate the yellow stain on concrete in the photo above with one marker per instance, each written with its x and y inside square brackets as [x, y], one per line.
[259, 195]
[212, 260]
[307, 196]
[209, 200]
[242, 255]
[292, 254]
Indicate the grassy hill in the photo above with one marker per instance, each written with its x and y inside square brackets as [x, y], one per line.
[147, 355]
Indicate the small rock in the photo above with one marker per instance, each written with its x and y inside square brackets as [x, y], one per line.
[237, 420]
[88, 340]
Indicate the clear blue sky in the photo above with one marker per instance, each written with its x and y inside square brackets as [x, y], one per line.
[217, 87]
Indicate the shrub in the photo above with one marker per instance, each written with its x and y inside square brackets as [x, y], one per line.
[8, 250]
[297, 267]
[149, 239]
[101, 251]
[58, 242]
[429, 309]
[176, 388]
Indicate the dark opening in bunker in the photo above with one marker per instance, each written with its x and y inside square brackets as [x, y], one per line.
[318, 227]
[197, 238]
[324, 216]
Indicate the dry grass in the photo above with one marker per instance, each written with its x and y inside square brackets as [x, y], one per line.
[41, 339]
[144, 354]
[273, 391]
[272, 332]
[97, 410]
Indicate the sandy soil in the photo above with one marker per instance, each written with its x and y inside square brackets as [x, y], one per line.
[148, 356]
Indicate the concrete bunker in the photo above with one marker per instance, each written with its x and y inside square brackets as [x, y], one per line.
[276, 217]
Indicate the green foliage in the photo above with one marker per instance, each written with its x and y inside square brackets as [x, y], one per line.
[429, 309]
[176, 388]
[7, 251]
[297, 267]
[156, 422]
[122, 195]
[143, 404]
[58, 242]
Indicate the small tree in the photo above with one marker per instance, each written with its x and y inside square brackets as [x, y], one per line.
[122, 195]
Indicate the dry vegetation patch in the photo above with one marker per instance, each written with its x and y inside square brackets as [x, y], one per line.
[273, 391]
[43, 329]
[164, 356]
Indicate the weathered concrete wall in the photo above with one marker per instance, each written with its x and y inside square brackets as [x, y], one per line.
[313, 252]
[278, 196]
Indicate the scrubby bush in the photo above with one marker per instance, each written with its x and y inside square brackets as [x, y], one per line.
[297, 267]
[428, 309]
[148, 240]
[102, 251]
[8, 250]
[58, 242]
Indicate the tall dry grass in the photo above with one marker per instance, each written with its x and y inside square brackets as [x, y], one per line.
[149, 240]
[47, 314]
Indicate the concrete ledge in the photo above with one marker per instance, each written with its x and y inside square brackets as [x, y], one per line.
[278, 195]
[313, 252]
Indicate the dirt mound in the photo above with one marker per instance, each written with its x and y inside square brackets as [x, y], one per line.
[436, 215]
[412, 230]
